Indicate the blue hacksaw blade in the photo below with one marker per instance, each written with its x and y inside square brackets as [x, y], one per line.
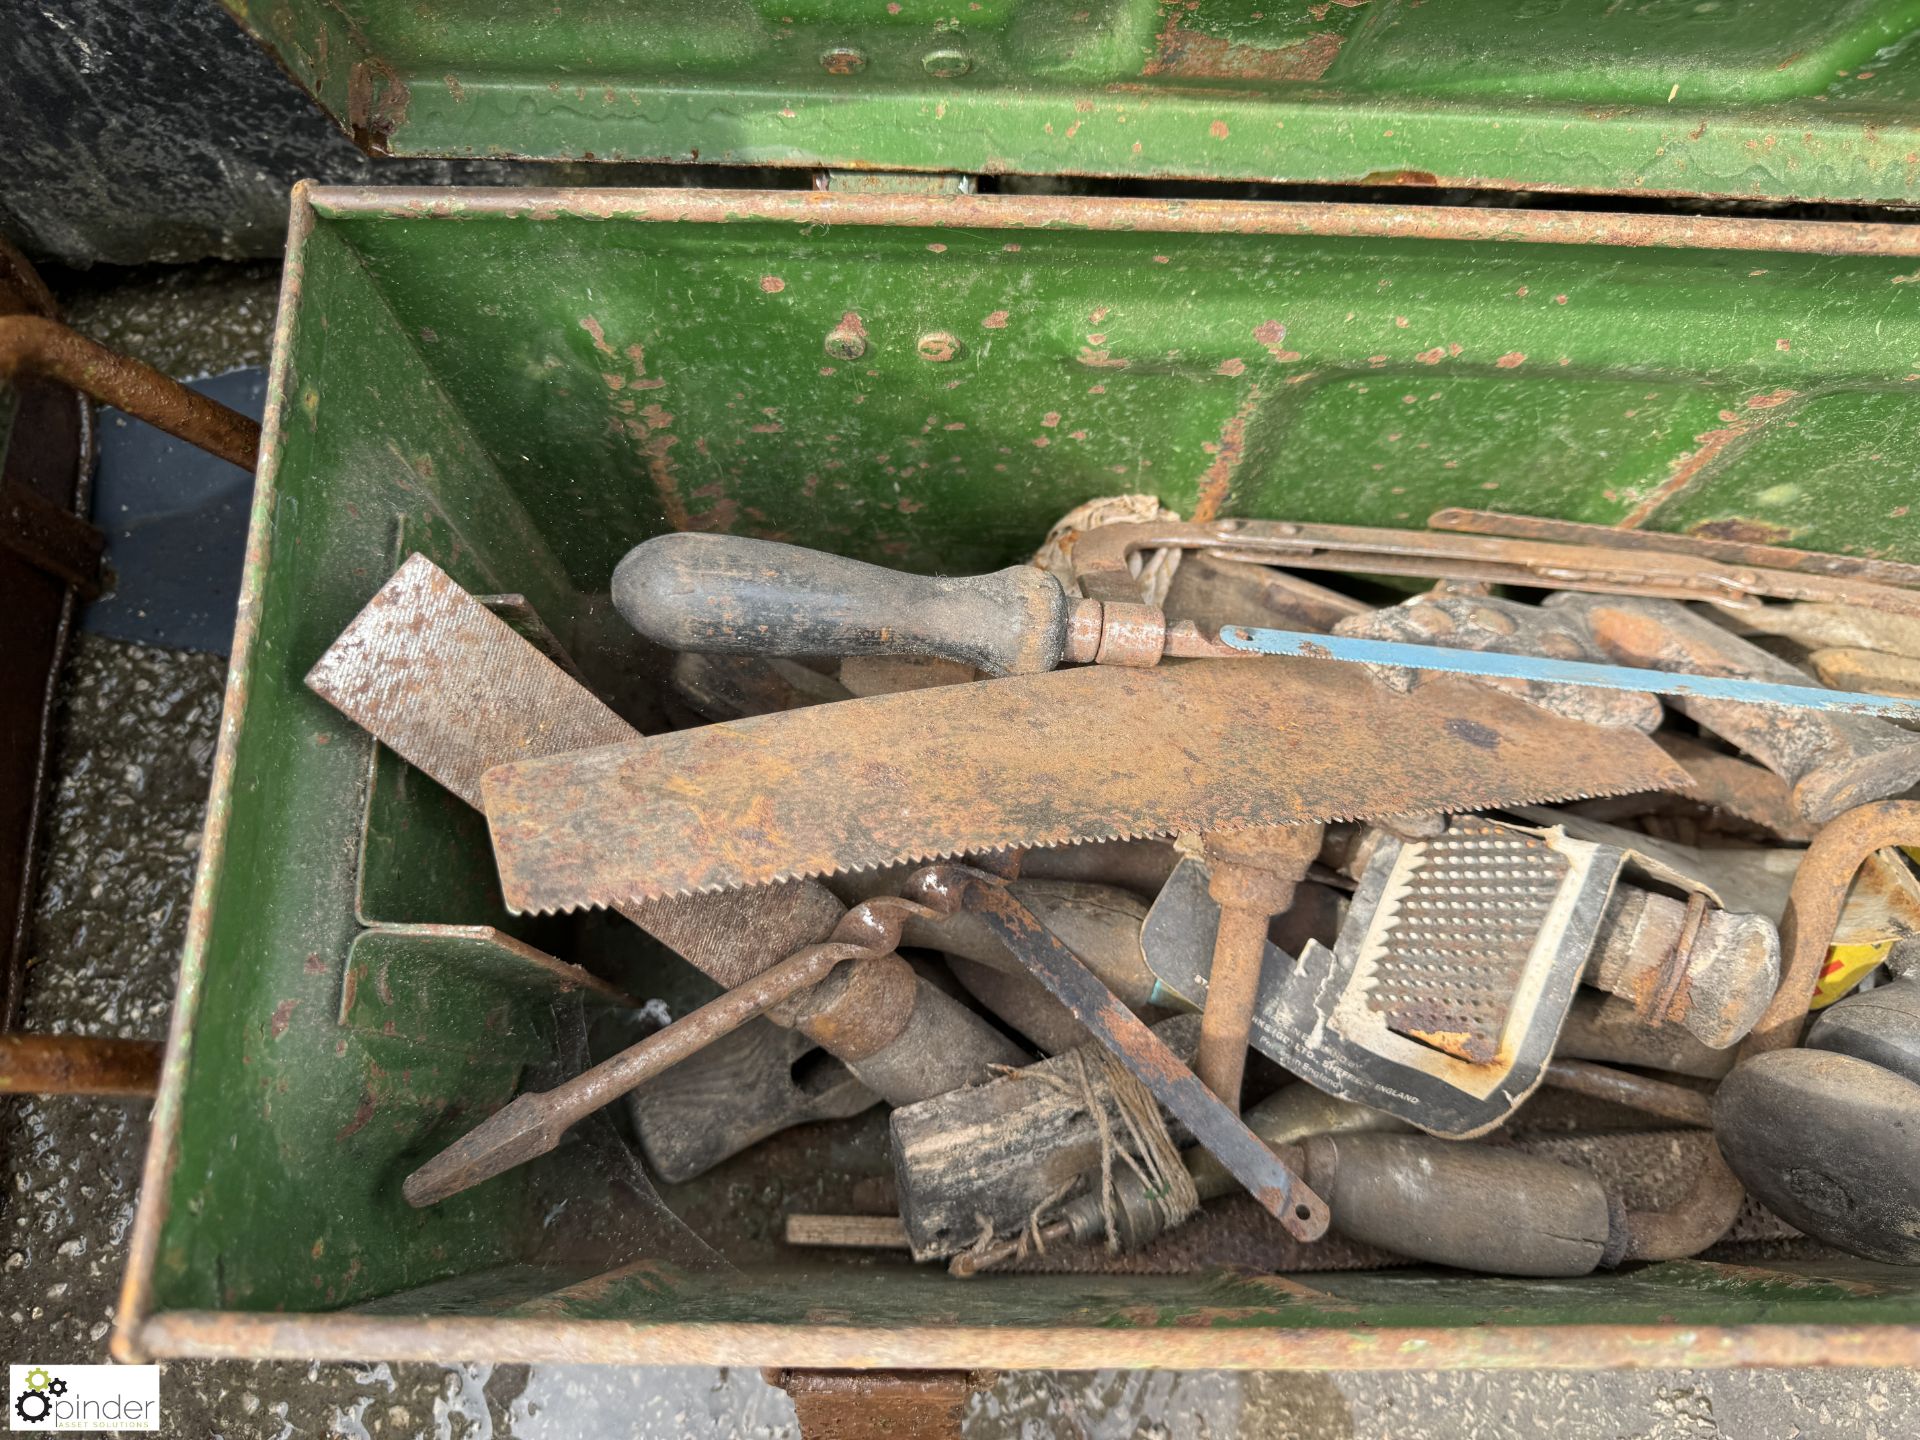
[1500, 665]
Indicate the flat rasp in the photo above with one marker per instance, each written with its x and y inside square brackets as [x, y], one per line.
[1032, 760]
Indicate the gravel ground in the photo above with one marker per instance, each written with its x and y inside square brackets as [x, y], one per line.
[136, 747]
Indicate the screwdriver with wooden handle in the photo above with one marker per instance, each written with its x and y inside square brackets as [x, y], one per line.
[726, 594]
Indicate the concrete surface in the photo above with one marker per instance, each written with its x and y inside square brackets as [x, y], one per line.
[135, 752]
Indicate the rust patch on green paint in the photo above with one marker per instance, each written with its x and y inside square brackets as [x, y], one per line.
[1711, 449]
[1750, 532]
[1186, 55]
[1216, 482]
[1685, 469]
[1286, 1288]
[591, 325]
[377, 101]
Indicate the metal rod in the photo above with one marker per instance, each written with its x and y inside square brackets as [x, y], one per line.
[31, 345]
[1736, 552]
[78, 1065]
[850, 1232]
[532, 1124]
[1252, 875]
[1641, 1092]
[1401, 656]
[1239, 948]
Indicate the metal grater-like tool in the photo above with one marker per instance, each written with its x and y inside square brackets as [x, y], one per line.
[1444, 993]
[1449, 944]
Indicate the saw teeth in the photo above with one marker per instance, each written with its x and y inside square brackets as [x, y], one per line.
[1050, 842]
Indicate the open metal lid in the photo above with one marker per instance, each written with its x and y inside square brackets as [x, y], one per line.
[1750, 99]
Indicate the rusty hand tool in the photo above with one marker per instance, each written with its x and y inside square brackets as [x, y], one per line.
[1473, 1207]
[1099, 923]
[1739, 787]
[35, 345]
[1888, 674]
[1252, 875]
[1738, 553]
[1825, 1135]
[1833, 762]
[1606, 1028]
[530, 1125]
[1215, 1126]
[1841, 627]
[1813, 912]
[756, 1082]
[1206, 589]
[1101, 562]
[1458, 958]
[78, 1065]
[732, 595]
[1691, 964]
[453, 689]
[1035, 760]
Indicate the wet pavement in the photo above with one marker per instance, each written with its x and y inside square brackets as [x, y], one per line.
[135, 752]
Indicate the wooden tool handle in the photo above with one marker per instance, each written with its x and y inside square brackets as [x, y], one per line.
[724, 594]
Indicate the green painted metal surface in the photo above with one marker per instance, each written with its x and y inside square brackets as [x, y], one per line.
[1775, 99]
[1685, 1293]
[525, 384]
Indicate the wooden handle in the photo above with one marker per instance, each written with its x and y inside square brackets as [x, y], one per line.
[724, 594]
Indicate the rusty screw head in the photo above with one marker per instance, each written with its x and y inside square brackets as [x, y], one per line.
[848, 339]
[843, 60]
[938, 346]
[946, 64]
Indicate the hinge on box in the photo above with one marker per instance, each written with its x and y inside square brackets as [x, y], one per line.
[890, 182]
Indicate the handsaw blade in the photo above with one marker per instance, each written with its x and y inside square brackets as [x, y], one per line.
[1501, 665]
[1035, 760]
[454, 690]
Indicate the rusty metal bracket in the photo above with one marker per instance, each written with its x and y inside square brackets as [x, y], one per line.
[34, 345]
[1214, 1124]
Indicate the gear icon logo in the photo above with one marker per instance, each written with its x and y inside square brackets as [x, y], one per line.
[24, 1406]
[38, 1379]
[56, 1387]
